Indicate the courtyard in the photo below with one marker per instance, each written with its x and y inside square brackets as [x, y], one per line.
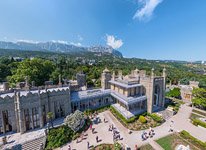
[132, 140]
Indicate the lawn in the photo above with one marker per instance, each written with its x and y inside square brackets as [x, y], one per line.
[135, 123]
[146, 147]
[199, 112]
[171, 141]
[115, 146]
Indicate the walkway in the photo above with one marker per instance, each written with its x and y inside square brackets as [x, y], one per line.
[181, 122]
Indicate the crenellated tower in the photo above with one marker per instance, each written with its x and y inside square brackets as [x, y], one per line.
[105, 78]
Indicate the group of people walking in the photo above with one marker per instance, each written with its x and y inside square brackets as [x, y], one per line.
[146, 135]
[116, 134]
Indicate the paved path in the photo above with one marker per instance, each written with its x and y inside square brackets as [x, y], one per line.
[155, 145]
[181, 122]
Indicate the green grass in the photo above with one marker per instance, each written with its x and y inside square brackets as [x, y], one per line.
[146, 147]
[199, 112]
[194, 116]
[184, 138]
[166, 142]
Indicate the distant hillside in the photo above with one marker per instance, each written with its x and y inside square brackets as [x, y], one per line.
[57, 47]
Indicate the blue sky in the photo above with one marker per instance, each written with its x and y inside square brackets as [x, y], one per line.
[151, 29]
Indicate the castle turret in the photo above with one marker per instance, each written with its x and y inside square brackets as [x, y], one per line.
[152, 73]
[113, 75]
[26, 83]
[81, 79]
[120, 74]
[106, 77]
[60, 80]
[164, 75]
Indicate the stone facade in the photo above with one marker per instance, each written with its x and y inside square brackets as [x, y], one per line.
[24, 110]
[186, 90]
[138, 92]
[81, 79]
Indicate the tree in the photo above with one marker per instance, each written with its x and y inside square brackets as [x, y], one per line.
[38, 70]
[50, 117]
[199, 98]
[174, 93]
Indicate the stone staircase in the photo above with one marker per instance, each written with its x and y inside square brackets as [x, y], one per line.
[36, 144]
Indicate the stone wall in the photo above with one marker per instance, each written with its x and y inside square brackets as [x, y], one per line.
[28, 110]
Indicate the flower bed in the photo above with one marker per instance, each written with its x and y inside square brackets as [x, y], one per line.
[115, 146]
[63, 134]
[134, 123]
[170, 142]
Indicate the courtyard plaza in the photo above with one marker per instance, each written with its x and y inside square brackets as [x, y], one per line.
[181, 122]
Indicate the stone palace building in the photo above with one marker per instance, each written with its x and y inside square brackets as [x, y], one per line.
[27, 108]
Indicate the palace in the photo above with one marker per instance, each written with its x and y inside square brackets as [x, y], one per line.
[25, 109]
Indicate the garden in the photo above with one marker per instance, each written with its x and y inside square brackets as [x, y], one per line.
[196, 117]
[138, 122]
[115, 146]
[170, 142]
[61, 135]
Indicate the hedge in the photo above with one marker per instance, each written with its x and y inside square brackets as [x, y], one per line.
[156, 118]
[100, 109]
[192, 139]
[142, 119]
[197, 122]
[121, 117]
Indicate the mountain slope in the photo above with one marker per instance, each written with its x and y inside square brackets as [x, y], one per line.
[56, 47]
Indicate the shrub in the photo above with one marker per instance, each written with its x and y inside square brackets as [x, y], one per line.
[117, 146]
[142, 119]
[197, 122]
[59, 136]
[156, 118]
[192, 139]
[121, 117]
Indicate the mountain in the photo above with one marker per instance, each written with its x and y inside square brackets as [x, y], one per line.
[54, 46]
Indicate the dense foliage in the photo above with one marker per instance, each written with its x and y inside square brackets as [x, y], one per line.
[59, 136]
[193, 140]
[174, 93]
[50, 65]
[156, 117]
[199, 98]
[197, 122]
[121, 117]
[142, 119]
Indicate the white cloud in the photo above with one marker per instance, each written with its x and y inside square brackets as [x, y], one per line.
[114, 43]
[27, 41]
[60, 41]
[76, 44]
[146, 10]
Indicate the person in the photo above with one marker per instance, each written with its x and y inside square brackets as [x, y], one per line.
[136, 148]
[87, 145]
[69, 147]
[143, 137]
[97, 139]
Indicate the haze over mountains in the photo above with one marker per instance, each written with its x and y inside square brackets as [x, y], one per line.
[55, 46]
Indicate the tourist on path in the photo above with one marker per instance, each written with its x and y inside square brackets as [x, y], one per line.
[87, 145]
[97, 139]
[69, 147]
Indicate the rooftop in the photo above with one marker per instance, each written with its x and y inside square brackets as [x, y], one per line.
[24, 93]
[128, 100]
[88, 94]
[125, 84]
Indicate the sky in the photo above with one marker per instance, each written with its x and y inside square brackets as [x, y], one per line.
[149, 29]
